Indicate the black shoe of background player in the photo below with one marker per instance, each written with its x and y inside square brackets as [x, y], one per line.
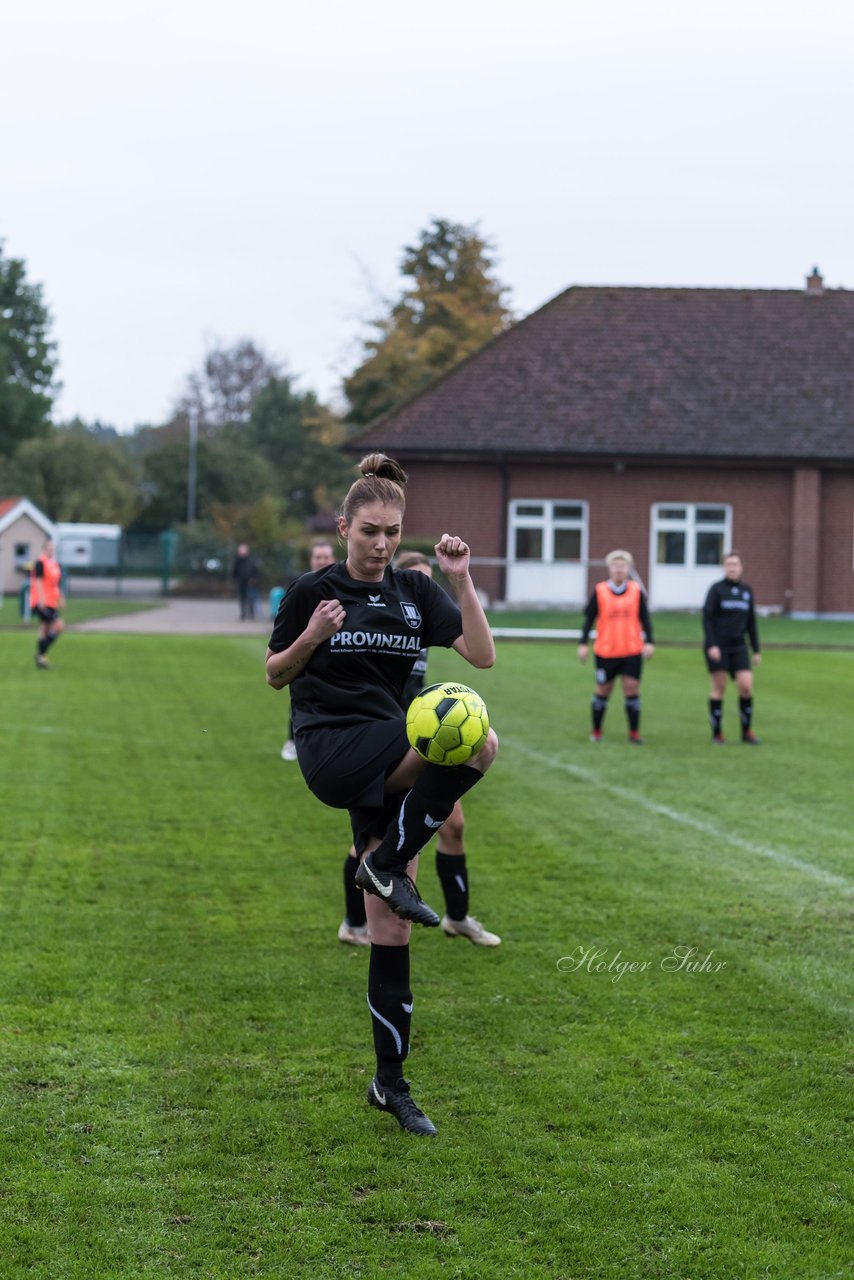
[750, 739]
[398, 1103]
[397, 891]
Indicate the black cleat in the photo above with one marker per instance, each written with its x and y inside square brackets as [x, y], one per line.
[396, 890]
[718, 740]
[398, 1103]
[635, 739]
[750, 739]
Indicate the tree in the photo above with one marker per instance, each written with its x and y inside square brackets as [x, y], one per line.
[225, 389]
[453, 305]
[27, 358]
[228, 474]
[73, 474]
[301, 440]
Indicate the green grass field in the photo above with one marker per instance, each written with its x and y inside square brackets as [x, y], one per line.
[185, 1045]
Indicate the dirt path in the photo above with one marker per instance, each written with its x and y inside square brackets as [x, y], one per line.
[180, 618]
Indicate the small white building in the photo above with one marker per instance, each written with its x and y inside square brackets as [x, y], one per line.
[95, 547]
[23, 531]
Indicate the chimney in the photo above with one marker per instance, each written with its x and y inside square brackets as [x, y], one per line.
[815, 284]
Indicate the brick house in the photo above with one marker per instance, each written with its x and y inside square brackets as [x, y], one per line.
[675, 422]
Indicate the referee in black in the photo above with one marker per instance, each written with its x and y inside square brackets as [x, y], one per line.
[729, 618]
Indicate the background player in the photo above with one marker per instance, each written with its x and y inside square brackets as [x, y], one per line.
[729, 616]
[618, 608]
[321, 553]
[46, 600]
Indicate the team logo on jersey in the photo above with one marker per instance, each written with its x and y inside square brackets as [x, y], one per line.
[411, 614]
[375, 602]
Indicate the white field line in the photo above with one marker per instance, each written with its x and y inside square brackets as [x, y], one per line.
[719, 834]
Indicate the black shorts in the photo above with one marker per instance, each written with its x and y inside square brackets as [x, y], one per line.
[347, 767]
[607, 669]
[45, 613]
[731, 660]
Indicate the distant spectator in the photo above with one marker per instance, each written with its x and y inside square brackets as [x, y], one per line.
[245, 574]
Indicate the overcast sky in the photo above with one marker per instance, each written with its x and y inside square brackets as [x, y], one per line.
[187, 173]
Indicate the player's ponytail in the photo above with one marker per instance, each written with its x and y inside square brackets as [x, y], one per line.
[382, 480]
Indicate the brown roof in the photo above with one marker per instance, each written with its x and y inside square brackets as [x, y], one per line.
[716, 373]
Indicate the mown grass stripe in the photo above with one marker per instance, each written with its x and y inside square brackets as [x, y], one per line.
[719, 834]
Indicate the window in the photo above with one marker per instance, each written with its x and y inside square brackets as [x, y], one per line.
[22, 553]
[529, 544]
[553, 531]
[690, 535]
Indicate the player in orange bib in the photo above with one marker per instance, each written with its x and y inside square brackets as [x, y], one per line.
[46, 600]
[619, 610]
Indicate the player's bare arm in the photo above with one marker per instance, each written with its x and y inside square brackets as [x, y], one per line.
[476, 644]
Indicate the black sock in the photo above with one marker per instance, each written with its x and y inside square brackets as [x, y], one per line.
[354, 899]
[43, 644]
[390, 1003]
[422, 812]
[716, 715]
[453, 877]
[633, 713]
[49, 639]
[599, 706]
[745, 711]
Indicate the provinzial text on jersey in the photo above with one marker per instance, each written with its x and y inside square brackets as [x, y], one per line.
[374, 640]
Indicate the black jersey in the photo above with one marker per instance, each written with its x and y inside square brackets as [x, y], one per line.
[417, 677]
[728, 615]
[359, 674]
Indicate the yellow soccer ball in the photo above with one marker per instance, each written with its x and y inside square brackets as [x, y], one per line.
[447, 723]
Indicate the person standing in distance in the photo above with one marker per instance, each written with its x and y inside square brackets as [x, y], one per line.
[729, 617]
[345, 640]
[245, 574]
[450, 848]
[320, 554]
[619, 610]
[46, 600]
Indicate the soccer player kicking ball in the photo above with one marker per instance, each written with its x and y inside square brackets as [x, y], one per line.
[619, 611]
[345, 640]
[728, 617]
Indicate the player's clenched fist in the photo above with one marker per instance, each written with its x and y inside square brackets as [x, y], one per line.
[452, 554]
[327, 618]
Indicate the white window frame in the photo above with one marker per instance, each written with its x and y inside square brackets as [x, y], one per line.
[548, 523]
[688, 525]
